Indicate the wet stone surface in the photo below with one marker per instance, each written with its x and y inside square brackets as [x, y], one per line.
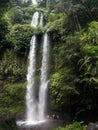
[48, 125]
[92, 126]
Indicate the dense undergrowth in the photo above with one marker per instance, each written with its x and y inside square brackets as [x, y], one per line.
[74, 126]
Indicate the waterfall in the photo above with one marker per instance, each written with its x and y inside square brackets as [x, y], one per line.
[30, 94]
[44, 78]
[36, 108]
[31, 104]
[41, 20]
[34, 21]
[34, 2]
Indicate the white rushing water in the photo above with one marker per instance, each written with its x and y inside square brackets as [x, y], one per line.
[44, 78]
[34, 21]
[34, 2]
[41, 20]
[31, 103]
[30, 94]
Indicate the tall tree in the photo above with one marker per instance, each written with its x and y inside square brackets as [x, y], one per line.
[4, 4]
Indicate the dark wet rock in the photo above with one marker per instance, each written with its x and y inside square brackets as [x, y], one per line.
[92, 126]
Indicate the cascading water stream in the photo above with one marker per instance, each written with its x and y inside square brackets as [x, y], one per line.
[30, 94]
[44, 78]
[31, 104]
[41, 20]
[34, 21]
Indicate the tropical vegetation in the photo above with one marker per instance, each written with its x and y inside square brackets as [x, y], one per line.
[73, 29]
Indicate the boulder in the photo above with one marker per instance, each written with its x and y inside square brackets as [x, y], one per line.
[92, 126]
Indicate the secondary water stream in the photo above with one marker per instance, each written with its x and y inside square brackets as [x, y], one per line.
[44, 79]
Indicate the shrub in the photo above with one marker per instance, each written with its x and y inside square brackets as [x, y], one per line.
[74, 126]
[12, 99]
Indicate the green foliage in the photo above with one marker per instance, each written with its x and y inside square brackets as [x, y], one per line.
[4, 4]
[57, 20]
[39, 30]
[21, 3]
[86, 67]
[21, 15]
[12, 68]
[91, 36]
[27, 14]
[4, 30]
[63, 78]
[61, 89]
[15, 15]
[20, 37]
[74, 80]
[79, 12]
[12, 99]
[18, 15]
[42, 3]
[74, 126]
[56, 25]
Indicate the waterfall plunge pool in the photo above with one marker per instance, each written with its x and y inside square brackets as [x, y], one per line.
[49, 124]
[29, 123]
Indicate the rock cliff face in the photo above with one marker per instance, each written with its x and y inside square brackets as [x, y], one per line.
[92, 126]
